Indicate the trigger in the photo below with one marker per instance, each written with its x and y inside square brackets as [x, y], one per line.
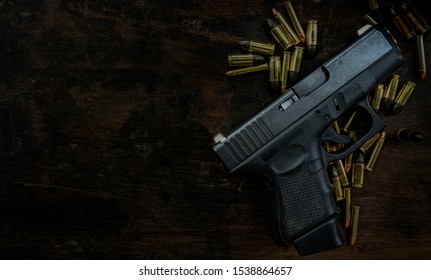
[331, 134]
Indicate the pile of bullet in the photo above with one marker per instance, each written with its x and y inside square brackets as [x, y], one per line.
[390, 98]
[348, 173]
[289, 35]
[405, 20]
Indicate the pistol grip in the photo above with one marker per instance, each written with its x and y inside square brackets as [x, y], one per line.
[303, 211]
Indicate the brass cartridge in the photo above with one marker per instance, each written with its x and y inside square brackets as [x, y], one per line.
[358, 169]
[369, 143]
[247, 70]
[348, 160]
[377, 97]
[369, 19]
[375, 8]
[288, 30]
[389, 93]
[296, 24]
[257, 47]
[347, 206]
[295, 64]
[348, 163]
[343, 176]
[403, 26]
[285, 69]
[311, 38]
[402, 97]
[278, 34]
[335, 180]
[245, 60]
[336, 126]
[354, 225]
[275, 73]
[423, 19]
[419, 23]
[349, 122]
[375, 152]
[421, 56]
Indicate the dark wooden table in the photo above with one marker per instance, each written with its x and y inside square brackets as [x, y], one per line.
[107, 114]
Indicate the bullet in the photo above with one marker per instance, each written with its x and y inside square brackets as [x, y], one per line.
[336, 126]
[288, 30]
[375, 8]
[377, 97]
[349, 122]
[347, 206]
[354, 227]
[278, 34]
[245, 60]
[403, 26]
[275, 73]
[375, 152]
[369, 143]
[257, 47]
[358, 169]
[390, 92]
[285, 69]
[343, 176]
[296, 24]
[421, 56]
[295, 64]
[402, 97]
[247, 70]
[418, 21]
[425, 21]
[409, 135]
[374, 5]
[348, 161]
[369, 19]
[335, 180]
[311, 38]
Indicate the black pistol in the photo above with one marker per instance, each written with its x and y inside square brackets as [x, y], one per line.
[283, 142]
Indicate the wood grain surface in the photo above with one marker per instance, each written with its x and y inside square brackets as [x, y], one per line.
[107, 114]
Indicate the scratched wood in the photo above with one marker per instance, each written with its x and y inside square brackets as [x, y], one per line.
[107, 113]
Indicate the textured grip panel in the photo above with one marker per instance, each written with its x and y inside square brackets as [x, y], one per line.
[303, 201]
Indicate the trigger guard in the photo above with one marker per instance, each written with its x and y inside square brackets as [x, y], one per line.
[331, 134]
[377, 125]
[288, 160]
